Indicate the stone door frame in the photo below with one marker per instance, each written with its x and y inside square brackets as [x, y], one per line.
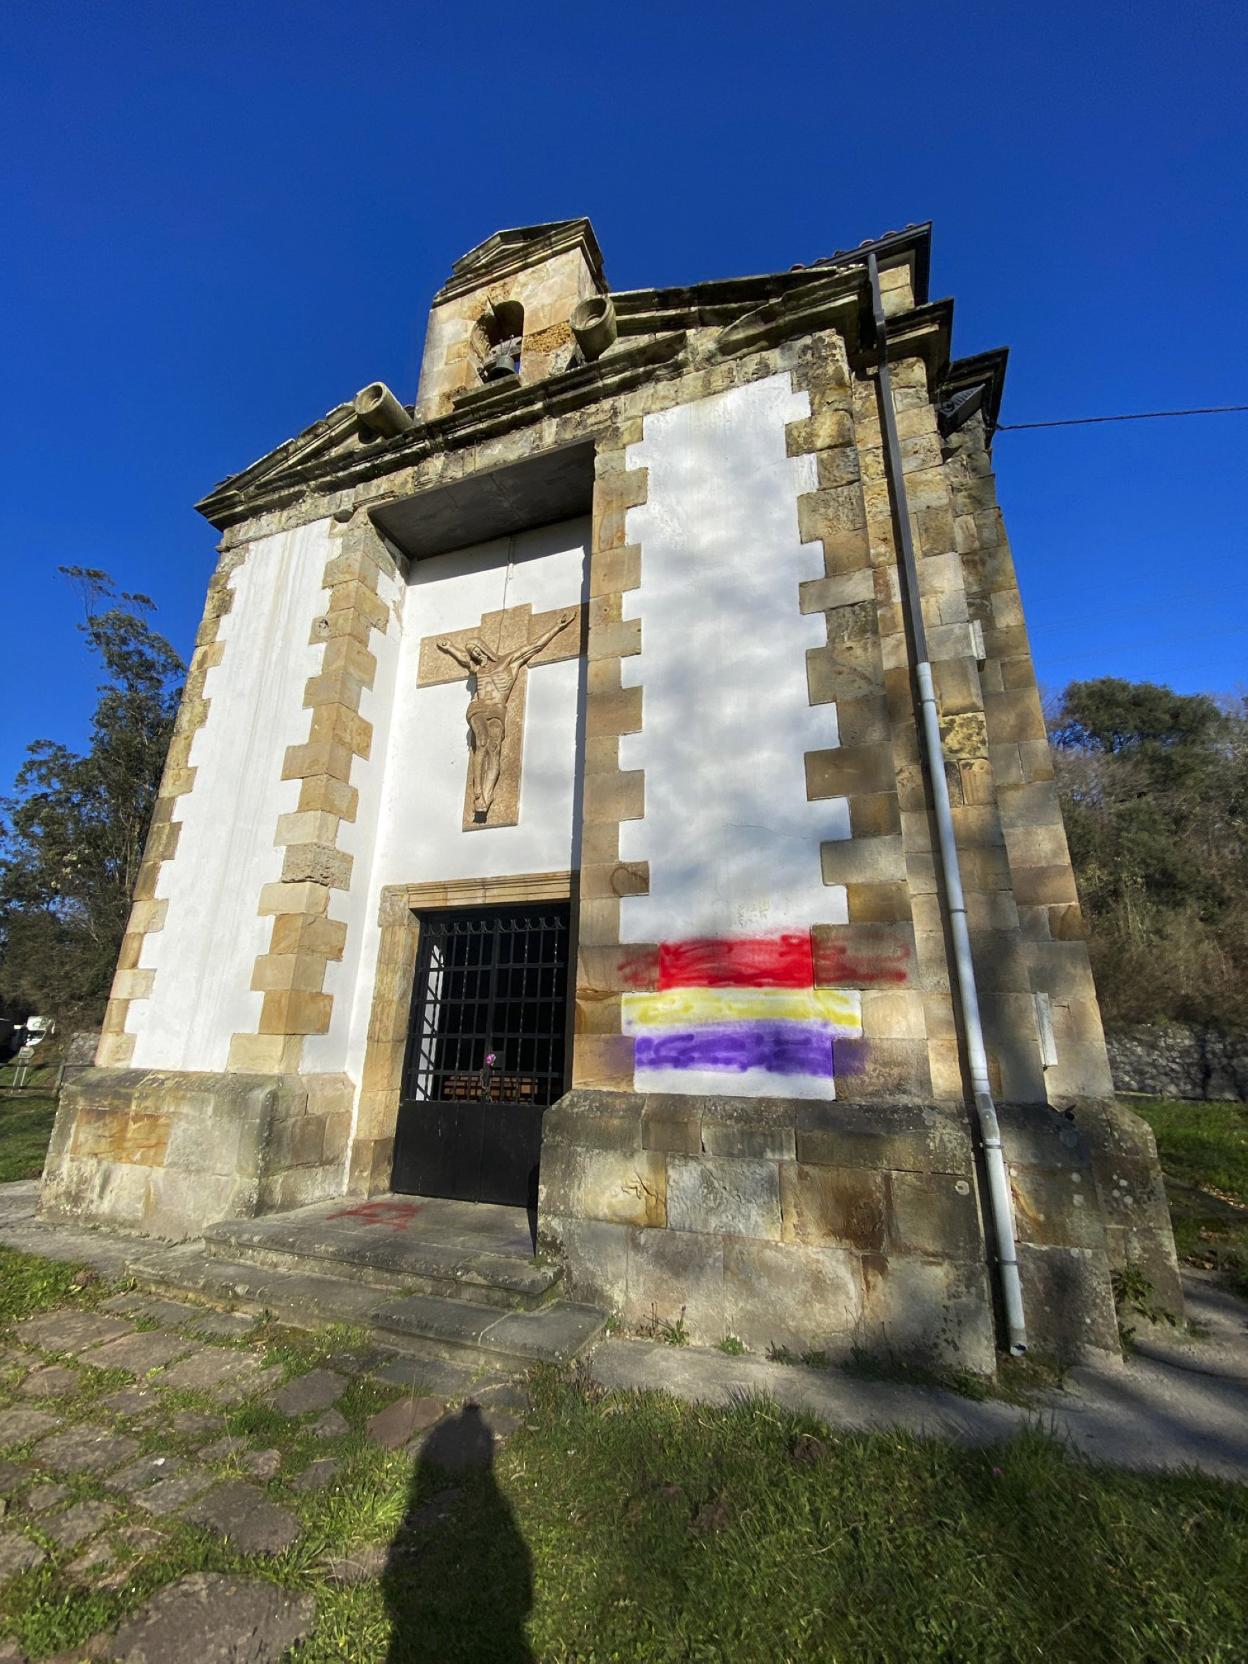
[372, 1147]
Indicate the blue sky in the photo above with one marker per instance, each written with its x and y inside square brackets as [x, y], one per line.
[222, 219]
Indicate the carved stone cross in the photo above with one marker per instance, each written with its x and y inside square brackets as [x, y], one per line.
[496, 656]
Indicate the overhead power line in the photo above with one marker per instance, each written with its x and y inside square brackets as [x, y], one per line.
[1135, 416]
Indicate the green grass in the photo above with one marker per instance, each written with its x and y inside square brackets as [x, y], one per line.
[633, 1529]
[654, 1531]
[25, 1127]
[29, 1284]
[40, 1075]
[1204, 1155]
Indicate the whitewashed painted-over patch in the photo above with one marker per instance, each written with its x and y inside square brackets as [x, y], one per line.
[731, 841]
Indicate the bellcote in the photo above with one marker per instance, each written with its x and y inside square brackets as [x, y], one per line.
[505, 310]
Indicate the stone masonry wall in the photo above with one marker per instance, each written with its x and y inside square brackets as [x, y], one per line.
[824, 1226]
[1179, 1060]
[167, 1153]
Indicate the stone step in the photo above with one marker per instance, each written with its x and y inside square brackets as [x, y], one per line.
[456, 1329]
[304, 1300]
[409, 1262]
[459, 1332]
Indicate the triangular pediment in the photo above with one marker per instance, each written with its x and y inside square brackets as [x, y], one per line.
[512, 250]
[503, 244]
[338, 435]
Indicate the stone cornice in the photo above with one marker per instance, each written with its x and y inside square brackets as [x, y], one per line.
[751, 314]
[481, 415]
[986, 369]
[498, 257]
[720, 300]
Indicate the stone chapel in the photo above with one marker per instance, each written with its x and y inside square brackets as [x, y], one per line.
[613, 789]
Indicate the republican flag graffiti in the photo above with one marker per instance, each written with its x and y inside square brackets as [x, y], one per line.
[739, 1015]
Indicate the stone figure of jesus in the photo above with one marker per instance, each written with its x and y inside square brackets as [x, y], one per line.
[496, 677]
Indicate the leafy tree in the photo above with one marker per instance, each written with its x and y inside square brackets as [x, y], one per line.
[72, 833]
[1155, 793]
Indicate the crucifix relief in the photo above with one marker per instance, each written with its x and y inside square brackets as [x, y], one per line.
[497, 684]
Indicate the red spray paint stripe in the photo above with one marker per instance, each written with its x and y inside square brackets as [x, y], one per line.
[846, 965]
[639, 968]
[737, 962]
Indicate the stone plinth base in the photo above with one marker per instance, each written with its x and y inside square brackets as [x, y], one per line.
[824, 1227]
[169, 1152]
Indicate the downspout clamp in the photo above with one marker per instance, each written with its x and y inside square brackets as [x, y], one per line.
[1000, 1207]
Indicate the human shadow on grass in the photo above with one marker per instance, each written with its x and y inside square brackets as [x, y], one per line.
[458, 1579]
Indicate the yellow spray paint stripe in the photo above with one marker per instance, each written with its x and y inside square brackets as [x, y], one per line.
[693, 1007]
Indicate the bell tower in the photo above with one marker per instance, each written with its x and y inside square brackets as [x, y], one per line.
[506, 311]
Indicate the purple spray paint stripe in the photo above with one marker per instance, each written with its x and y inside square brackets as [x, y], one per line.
[780, 1048]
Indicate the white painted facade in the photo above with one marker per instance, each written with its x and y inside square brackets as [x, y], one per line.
[729, 837]
[731, 840]
[204, 955]
[419, 824]
[408, 822]
[358, 838]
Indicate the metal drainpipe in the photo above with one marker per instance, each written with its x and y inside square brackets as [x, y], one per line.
[1000, 1206]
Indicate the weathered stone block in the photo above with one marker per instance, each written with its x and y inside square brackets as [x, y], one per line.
[620, 1187]
[891, 1070]
[892, 1014]
[901, 1137]
[863, 722]
[1069, 1304]
[819, 594]
[207, 1143]
[1150, 1252]
[788, 1295]
[1081, 1070]
[1045, 886]
[614, 713]
[850, 670]
[594, 1255]
[1056, 1207]
[1036, 1136]
[848, 770]
[616, 1126]
[292, 1011]
[675, 1272]
[1014, 715]
[843, 1206]
[922, 1308]
[934, 1213]
[775, 1142]
[604, 1060]
[673, 1124]
[173, 1199]
[887, 903]
[1013, 1040]
[863, 955]
[860, 860]
[735, 1197]
[875, 815]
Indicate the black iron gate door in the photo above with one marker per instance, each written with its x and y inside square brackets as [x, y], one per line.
[485, 1052]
